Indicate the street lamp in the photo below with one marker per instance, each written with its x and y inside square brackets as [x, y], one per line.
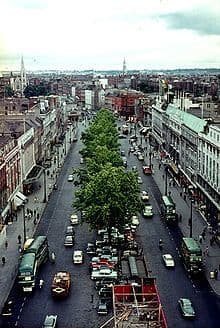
[190, 219]
[166, 180]
[45, 187]
[24, 221]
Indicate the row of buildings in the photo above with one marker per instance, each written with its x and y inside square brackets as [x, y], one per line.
[30, 134]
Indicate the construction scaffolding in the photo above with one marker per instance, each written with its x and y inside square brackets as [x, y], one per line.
[137, 305]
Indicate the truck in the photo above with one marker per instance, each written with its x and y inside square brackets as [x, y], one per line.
[191, 254]
[61, 284]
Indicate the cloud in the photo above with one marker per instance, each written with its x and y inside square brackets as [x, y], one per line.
[200, 21]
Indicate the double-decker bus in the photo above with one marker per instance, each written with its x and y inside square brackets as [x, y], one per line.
[168, 209]
[36, 254]
[191, 254]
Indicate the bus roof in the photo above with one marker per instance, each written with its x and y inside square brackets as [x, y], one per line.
[191, 244]
[36, 244]
[168, 200]
[27, 262]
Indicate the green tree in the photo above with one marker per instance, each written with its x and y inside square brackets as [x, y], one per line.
[109, 199]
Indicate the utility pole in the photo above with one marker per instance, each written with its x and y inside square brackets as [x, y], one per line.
[24, 222]
[190, 219]
[166, 180]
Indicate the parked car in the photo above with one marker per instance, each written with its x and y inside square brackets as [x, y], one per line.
[70, 231]
[148, 211]
[144, 196]
[186, 308]
[104, 273]
[140, 157]
[102, 308]
[168, 260]
[122, 153]
[78, 257]
[81, 160]
[69, 241]
[70, 178]
[90, 249]
[135, 220]
[7, 309]
[140, 180]
[147, 169]
[74, 219]
[50, 321]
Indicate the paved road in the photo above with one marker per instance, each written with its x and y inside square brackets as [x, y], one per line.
[172, 284]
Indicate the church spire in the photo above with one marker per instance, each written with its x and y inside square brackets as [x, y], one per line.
[23, 76]
[124, 67]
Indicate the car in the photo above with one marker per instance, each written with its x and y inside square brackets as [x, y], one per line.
[78, 257]
[140, 180]
[134, 168]
[90, 249]
[135, 220]
[50, 321]
[144, 196]
[140, 157]
[122, 136]
[7, 309]
[186, 308]
[70, 231]
[122, 153]
[74, 219]
[168, 260]
[133, 137]
[147, 169]
[131, 149]
[148, 211]
[104, 273]
[125, 163]
[102, 308]
[69, 241]
[74, 139]
[81, 160]
[70, 178]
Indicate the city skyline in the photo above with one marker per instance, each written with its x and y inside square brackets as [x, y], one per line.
[160, 34]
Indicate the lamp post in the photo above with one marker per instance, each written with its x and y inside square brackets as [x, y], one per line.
[166, 180]
[24, 221]
[190, 219]
[45, 186]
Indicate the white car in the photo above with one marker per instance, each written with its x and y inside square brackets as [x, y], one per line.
[135, 221]
[148, 211]
[70, 178]
[81, 160]
[74, 219]
[78, 257]
[168, 260]
[140, 180]
[144, 196]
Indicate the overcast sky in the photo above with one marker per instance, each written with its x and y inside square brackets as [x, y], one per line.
[97, 34]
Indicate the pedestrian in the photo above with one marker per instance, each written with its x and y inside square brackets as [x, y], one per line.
[211, 241]
[6, 244]
[200, 239]
[207, 250]
[180, 217]
[203, 234]
[19, 239]
[92, 298]
[174, 183]
[159, 166]
[163, 176]
[184, 197]
[219, 267]
[3, 260]
[181, 193]
[216, 274]
[35, 199]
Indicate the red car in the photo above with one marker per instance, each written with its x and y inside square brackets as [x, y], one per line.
[147, 169]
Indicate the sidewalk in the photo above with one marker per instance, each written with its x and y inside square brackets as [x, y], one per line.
[35, 202]
[212, 260]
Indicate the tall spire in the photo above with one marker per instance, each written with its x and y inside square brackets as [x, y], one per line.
[124, 67]
[23, 76]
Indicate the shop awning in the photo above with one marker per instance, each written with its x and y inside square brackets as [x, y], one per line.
[34, 174]
[20, 199]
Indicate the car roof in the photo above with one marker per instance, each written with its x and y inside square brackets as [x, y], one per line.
[77, 252]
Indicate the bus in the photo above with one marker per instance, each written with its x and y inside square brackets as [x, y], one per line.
[191, 254]
[32, 258]
[168, 209]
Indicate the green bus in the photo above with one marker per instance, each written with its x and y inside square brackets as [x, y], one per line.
[191, 254]
[168, 209]
[32, 258]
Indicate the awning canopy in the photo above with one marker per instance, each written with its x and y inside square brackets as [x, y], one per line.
[34, 174]
[20, 199]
